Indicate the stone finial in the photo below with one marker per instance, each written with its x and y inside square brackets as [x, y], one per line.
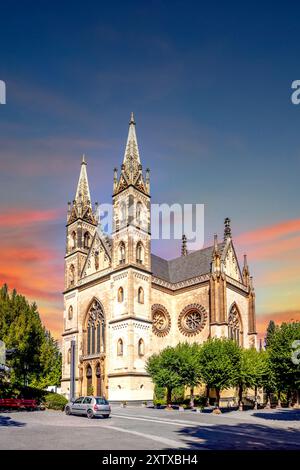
[216, 243]
[132, 121]
[227, 228]
[245, 273]
[184, 251]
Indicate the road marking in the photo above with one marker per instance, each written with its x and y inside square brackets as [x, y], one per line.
[196, 425]
[169, 442]
[162, 421]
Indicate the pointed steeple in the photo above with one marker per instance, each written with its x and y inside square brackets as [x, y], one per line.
[131, 159]
[82, 207]
[83, 191]
[246, 272]
[131, 168]
[216, 259]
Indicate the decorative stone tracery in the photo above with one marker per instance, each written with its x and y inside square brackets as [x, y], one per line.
[161, 320]
[192, 319]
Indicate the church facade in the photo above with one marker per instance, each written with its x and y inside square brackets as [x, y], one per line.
[122, 303]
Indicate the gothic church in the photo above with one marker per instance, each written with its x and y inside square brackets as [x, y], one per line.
[122, 303]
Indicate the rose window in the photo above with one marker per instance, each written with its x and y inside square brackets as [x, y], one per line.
[161, 321]
[192, 319]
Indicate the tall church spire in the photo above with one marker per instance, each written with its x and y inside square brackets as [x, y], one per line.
[131, 168]
[82, 207]
[131, 160]
[83, 191]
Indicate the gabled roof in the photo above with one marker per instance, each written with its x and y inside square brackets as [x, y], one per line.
[184, 267]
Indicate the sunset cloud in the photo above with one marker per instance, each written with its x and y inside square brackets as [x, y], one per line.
[271, 241]
[262, 321]
[14, 218]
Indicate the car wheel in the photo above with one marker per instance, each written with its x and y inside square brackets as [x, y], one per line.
[67, 410]
[105, 416]
[90, 414]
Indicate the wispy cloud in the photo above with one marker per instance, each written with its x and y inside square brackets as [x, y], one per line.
[15, 218]
[271, 241]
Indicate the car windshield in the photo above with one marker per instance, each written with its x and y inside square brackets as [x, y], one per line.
[101, 401]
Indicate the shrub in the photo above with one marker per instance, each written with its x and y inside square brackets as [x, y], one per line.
[200, 401]
[159, 402]
[54, 401]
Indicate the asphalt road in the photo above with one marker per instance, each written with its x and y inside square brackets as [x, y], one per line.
[142, 428]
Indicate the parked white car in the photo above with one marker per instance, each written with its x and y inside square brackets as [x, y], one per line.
[89, 406]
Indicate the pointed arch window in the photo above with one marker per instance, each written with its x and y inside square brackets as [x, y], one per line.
[69, 356]
[140, 295]
[122, 254]
[72, 275]
[120, 349]
[70, 312]
[95, 331]
[139, 253]
[120, 294]
[123, 214]
[139, 213]
[234, 325]
[141, 347]
[86, 240]
[73, 237]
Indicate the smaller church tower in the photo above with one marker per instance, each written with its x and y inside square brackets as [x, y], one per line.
[81, 226]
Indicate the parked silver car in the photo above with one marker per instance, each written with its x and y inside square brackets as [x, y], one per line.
[88, 406]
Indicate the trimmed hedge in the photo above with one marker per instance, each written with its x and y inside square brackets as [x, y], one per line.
[54, 401]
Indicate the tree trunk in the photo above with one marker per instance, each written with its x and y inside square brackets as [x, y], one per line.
[255, 398]
[218, 398]
[192, 400]
[241, 405]
[207, 395]
[297, 404]
[169, 397]
[289, 399]
[268, 404]
[279, 400]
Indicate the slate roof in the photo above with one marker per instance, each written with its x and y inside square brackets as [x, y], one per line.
[180, 269]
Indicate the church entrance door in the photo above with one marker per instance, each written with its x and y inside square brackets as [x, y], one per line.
[98, 377]
[89, 380]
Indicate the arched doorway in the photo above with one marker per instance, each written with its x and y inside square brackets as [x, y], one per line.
[89, 380]
[98, 381]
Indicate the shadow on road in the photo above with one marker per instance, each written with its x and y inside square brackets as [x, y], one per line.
[7, 421]
[244, 436]
[280, 415]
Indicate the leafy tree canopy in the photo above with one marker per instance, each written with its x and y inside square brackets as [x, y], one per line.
[37, 359]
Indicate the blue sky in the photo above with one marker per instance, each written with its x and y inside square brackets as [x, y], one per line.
[210, 87]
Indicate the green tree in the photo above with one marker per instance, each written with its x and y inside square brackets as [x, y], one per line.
[189, 366]
[253, 370]
[270, 332]
[163, 369]
[286, 373]
[37, 358]
[220, 362]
